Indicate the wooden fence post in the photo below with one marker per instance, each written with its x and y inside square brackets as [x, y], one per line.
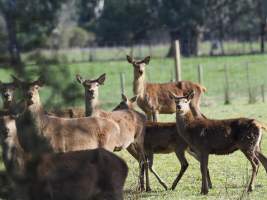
[263, 93]
[226, 86]
[200, 74]
[177, 59]
[251, 99]
[122, 82]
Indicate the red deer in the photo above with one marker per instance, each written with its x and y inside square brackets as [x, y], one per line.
[7, 91]
[79, 175]
[153, 98]
[43, 132]
[162, 138]
[220, 137]
[131, 122]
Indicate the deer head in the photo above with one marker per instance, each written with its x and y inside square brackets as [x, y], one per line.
[139, 65]
[126, 103]
[30, 90]
[7, 91]
[182, 102]
[91, 86]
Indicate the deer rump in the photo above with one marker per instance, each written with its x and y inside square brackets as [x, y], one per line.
[79, 175]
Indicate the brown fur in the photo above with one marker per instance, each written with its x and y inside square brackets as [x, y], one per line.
[130, 122]
[40, 132]
[162, 138]
[67, 113]
[81, 175]
[154, 98]
[220, 137]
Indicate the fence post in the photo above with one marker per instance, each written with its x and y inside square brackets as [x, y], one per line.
[226, 86]
[200, 74]
[177, 59]
[263, 93]
[251, 99]
[122, 82]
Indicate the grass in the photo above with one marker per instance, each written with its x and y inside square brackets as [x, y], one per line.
[229, 173]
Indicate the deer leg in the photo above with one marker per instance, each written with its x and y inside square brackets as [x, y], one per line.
[184, 165]
[131, 149]
[155, 116]
[252, 158]
[197, 157]
[149, 117]
[150, 164]
[203, 167]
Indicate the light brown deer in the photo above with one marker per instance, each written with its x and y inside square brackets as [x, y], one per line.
[131, 122]
[153, 98]
[220, 137]
[79, 175]
[162, 138]
[43, 132]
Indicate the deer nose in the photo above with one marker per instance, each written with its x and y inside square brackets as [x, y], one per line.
[30, 94]
[6, 95]
[178, 107]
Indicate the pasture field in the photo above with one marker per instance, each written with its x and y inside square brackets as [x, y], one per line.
[229, 173]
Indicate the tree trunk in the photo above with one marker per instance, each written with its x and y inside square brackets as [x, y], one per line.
[262, 35]
[13, 47]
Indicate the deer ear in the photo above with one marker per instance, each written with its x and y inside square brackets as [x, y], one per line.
[124, 98]
[101, 79]
[16, 80]
[190, 94]
[172, 95]
[79, 79]
[133, 99]
[40, 82]
[129, 58]
[146, 60]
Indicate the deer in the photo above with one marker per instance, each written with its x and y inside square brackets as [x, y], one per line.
[153, 98]
[162, 138]
[80, 175]
[219, 137]
[50, 133]
[7, 91]
[130, 121]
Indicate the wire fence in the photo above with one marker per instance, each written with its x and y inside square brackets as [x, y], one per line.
[156, 50]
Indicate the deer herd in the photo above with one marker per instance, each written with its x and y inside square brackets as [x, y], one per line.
[67, 154]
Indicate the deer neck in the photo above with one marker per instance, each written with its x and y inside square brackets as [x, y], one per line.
[139, 84]
[7, 105]
[15, 159]
[91, 105]
[30, 125]
[182, 122]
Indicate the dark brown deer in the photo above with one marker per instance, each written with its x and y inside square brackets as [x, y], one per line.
[153, 98]
[7, 91]
[79, 175]
[131, 122]
[220, 137]
[162, 138]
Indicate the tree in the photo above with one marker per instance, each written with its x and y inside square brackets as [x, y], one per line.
[28, 22]
[128, 20]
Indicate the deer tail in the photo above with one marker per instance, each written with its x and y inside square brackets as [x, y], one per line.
[203, 89]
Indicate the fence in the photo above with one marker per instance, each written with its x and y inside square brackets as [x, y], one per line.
[156, 50]
[227, 81]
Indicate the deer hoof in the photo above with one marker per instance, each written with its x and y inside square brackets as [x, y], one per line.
[148, 189]
[204, 192]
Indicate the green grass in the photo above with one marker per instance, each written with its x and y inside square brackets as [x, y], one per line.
[229, 173]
